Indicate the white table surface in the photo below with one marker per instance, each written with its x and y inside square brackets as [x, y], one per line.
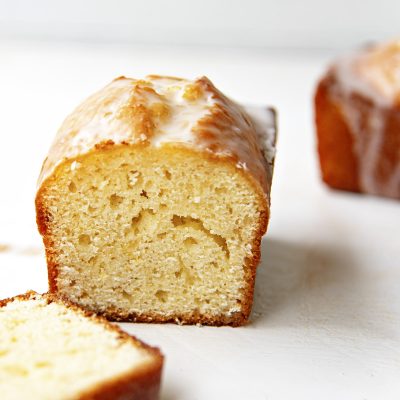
[327, 302]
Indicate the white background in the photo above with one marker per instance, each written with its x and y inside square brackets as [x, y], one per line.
[262, 23]
[326, 320]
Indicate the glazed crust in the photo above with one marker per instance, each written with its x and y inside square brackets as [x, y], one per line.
[343, 154]
[142, 383]
[120, 113]
[244, 151]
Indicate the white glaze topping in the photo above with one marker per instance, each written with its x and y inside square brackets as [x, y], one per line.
[265, 123]
[374, 72]
[179, 126]
[160, 110]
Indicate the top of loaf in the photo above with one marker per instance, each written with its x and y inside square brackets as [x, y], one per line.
[160, 110]
[373, 72]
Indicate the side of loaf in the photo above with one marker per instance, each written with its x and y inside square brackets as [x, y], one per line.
[153, 201]
[336, 147]
[357, 110]
[52, 349]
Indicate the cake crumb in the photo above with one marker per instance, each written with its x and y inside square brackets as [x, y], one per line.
[103, 184]
[133, 177]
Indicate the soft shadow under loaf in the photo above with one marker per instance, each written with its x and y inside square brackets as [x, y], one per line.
[309, 284]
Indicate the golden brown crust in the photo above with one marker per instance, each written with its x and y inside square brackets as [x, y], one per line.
[142, 383]
[121, 113]
[218, 131]
[339, 166]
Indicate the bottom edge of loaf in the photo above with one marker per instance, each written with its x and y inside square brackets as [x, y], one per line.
[192, 318]
[238, 319]
[333, 184]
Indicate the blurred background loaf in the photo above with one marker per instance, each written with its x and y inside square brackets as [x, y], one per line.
[357, 111]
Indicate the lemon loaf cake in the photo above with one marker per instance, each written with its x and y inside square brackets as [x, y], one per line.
[153, 201]
[357, 109]
[50, 349]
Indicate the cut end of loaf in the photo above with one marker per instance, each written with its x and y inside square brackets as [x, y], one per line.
[50, 349]
[160, 234]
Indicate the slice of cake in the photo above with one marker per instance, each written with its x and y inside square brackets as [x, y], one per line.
[153, 201]
[50, 350]
[357, 110]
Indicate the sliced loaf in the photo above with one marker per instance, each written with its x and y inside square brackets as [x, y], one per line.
[50, 349]
[153, 201]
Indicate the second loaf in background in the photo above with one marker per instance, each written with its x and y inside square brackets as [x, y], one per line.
[153, 201]
[357, 113]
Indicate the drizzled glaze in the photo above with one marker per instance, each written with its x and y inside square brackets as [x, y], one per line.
[373, 72]
[367, 87]
[159, 110]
